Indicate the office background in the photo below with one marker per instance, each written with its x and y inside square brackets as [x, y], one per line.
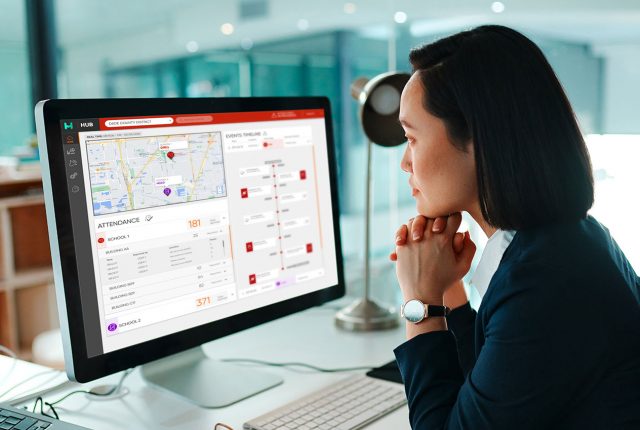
[216, 48]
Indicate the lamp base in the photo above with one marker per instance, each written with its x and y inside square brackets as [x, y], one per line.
[366, 315]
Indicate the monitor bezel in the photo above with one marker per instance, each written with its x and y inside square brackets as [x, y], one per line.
[79, 365]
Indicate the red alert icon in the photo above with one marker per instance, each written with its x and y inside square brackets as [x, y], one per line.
[303, 175]
[249, 246]
[170, 155]
[252, 279]
[309, 248]
[244, 193]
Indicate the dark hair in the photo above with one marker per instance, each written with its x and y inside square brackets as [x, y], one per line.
[493, 86]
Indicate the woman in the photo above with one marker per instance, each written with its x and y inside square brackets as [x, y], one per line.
[556, 341]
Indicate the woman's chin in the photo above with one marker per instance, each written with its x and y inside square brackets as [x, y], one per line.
[425, 209]
[431, 211]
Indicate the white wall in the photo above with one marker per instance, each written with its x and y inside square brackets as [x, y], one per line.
[621, 88]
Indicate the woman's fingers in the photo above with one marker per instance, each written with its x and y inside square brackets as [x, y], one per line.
[429, 226]
[409, 226]
[417, 226]
[453, 224]
[417, 229]
[439, 224]
[401, 235]
[458, 242]
[458, 245]
[468, 251]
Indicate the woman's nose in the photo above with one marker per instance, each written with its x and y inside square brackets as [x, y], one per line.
[405, 163]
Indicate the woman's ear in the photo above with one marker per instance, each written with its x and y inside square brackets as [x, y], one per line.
[470, 147]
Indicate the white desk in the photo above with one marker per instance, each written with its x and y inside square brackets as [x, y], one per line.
[308, 337]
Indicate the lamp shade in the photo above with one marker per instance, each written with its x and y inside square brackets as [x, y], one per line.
[379, 100]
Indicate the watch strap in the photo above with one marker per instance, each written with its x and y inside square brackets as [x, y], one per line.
[436, 310]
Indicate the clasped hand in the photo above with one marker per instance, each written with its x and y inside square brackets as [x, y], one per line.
[431, 257]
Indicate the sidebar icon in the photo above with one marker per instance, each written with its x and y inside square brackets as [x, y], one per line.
[71, 151]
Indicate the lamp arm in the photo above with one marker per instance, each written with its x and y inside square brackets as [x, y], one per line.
[367, 221]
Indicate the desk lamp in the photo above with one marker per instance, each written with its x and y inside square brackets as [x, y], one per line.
[379, 100]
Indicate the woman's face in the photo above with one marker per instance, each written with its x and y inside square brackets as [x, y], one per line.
[443, 178]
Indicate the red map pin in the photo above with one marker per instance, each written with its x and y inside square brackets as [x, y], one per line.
[170, 154]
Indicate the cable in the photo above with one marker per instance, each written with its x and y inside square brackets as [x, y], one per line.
[10, 353]
[51, 405]
[297, 364]
[20, 399]
[45, 372]
[42, 412]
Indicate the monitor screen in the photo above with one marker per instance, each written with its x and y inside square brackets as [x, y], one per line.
[181, 220]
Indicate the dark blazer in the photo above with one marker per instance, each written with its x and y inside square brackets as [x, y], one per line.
[555, 343]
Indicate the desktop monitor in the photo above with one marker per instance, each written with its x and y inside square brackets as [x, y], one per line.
[174, 222]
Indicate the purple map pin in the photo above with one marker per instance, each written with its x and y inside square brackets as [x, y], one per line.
[167, 191]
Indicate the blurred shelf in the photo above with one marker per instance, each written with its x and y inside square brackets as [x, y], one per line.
[27, 278]
[18, 178]
[23, 200]
[25, 179]
[27, 300]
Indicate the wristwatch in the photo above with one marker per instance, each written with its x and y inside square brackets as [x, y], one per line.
[415, 311]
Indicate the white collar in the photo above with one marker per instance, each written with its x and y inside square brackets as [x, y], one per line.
[490, 260]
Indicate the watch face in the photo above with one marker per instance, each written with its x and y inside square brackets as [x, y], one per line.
[413, 311]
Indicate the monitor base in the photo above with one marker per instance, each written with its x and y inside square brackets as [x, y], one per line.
[206, 382]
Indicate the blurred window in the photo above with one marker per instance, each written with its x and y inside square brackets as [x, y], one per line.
[15, 96]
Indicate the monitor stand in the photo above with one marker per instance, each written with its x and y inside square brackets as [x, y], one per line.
[204, 381]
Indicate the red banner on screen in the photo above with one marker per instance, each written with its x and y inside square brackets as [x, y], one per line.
[123, 123]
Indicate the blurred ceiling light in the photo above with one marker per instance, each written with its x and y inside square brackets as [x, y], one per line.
[303, 24]
[350, 8]
[227, 28]
[400, 17]
[246, 43]
[431, 27]
[497, 7]
[192, 46]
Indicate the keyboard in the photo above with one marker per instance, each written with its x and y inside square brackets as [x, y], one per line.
[19, 419]
[346, 405]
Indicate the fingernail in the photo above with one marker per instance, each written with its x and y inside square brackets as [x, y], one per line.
[397, 239]
[436, 228]
[416, 236]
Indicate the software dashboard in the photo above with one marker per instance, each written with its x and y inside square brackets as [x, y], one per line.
[194, 218]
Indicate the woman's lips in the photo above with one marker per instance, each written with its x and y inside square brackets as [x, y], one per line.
[414, 192]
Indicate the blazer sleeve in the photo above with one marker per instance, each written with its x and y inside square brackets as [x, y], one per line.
[539, 350]
[462, 322]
